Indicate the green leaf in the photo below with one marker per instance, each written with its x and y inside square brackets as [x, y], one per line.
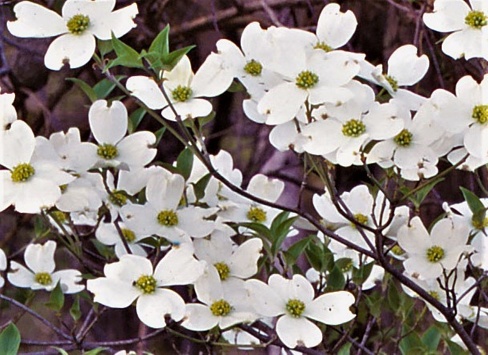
[87, 89]
[159, 134]
[474, 202]
[202, 121]
[170, 60]
[105, 47]
[160, 44]
[236, 86]
[200, 186]
[315, 257]
[411, 344]
[135, 119]
[280, 227]
[345, 349]
[360, 275]
[336, 280]
[297, 249]
[56, 298]
[184, 163]
[431, 338]
[104, 250]
[9, 340]
[455, 349]
[126, 55]
[104, 87]
[75, 311]
[61, 351]
[94, 351]
[393, 296]
[259, 228]
[418, 197]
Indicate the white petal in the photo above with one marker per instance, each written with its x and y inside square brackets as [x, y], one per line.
[17, 144]
[34, 20]
[112, 292]
[119, 22]
[199, 317]
[87, 7]
[3, 260]
[331, 308]
[476, 141]
[469, 43]
[212, 78]
[243, 263]
[179, 267]
[406, 67]
[281, 103]
[334, 27]
[146, 90]
[188, 109]
[20, 276]
[128, 269]
[75, 50]
[35, 194]
[414, 237]
[152, 309]
[448, 15]
[108, 123]
[180, 75]
[295, 332]
[40, 258]
[296, 288]
[135, 150]
[265, 188]
[70, 280]
[265, 300]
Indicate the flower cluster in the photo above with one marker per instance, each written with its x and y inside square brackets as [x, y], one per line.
[190, 244]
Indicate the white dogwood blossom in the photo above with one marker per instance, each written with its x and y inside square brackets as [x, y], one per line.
[133, 279]
[81, 21]
[294, 302]
[40, 274]
[469, 37]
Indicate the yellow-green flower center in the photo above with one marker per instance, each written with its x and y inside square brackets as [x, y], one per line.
[118, 198]
[78, 24]
[324, 46]
[392, 81]
[43, 278]
[223, 270]
[168, 218]
[295, 308]
[59, 216]
[361, 218]
[220, 308]
[353, 128]
[253, 68]
[480, 114]
[182, 93]
[435, 295]
[476, 19]
[146, 283]
[404, 138]
[128, 235]
[306, 79]
[107, 151]
[256, 214]
[397, 250]
[347, 265]
[480, 225]
[435, 253]
[22, 172]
